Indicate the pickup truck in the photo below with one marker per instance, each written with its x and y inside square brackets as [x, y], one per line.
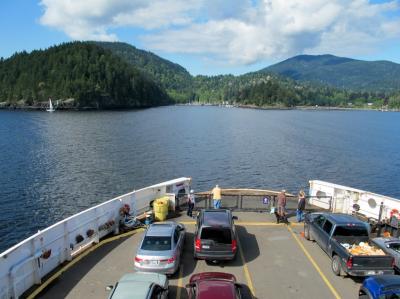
[332, 232]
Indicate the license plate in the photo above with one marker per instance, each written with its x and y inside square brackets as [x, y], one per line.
[155, 263]
[370, 272]
[206, 246]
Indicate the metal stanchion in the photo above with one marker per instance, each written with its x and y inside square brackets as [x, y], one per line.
[380, 220]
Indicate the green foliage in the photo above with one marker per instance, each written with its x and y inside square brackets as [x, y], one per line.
[343, 73]
[394, 101]
[168, 75]
[268, 90]
[116, 75]
[91, 75]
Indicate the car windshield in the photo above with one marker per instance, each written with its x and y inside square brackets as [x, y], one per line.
[351, 231]
[219, 235]
[156, 243]
[395, 247]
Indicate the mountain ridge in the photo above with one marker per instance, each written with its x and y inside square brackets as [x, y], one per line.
[340, 72]
[106, 75]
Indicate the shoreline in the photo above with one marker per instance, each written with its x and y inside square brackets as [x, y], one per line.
[278, 107]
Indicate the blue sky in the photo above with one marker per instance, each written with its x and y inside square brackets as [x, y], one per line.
[210, 37]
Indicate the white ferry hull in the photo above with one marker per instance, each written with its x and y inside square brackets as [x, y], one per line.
[26, 263]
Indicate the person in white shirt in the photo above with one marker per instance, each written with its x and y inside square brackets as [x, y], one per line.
[191, 201]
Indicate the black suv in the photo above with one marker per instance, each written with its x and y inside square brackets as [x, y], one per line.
[215, 237]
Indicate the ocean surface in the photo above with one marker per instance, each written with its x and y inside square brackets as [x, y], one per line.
[53, 165]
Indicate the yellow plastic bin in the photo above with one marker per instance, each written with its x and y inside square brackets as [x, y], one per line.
[160, 207]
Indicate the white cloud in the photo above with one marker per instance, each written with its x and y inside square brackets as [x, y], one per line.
[93, 19]
[234, 31]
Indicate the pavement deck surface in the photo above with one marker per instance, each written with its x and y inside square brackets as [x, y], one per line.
[274, 261]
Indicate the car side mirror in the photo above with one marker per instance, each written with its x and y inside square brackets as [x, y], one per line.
[109, 288]
[235, 217]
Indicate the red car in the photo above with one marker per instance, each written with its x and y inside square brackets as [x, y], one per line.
[213, 285]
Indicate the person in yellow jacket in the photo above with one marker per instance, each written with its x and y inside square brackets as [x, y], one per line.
[216, 193]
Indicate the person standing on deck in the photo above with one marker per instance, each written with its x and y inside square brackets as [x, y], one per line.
[191, 201]
[282, 204]
[301, 205]
[216, 193]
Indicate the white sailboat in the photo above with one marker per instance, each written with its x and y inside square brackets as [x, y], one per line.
[51, 108]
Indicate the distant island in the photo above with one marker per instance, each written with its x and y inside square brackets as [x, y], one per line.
[113, 75]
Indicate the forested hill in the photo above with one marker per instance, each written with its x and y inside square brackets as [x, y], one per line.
[262, 88]
[103, 75]
[339, 72]
[78, 75]
[174, 78]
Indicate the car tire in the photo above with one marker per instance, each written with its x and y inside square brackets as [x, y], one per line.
[363, 294]
[307, 233]
[177, 269]
[336, 265]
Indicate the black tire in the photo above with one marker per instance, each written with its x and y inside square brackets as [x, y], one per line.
[336, 265]
[362, 294]
[307, 233]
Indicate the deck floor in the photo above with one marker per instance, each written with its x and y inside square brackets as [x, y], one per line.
[273, 264]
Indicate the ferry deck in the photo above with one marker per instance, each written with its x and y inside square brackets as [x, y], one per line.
[273, 261]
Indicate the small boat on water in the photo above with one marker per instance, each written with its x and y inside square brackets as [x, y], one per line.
[51, 108]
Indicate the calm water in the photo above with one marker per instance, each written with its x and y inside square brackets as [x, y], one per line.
[54, 165]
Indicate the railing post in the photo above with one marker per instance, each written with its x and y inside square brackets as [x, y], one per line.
[97, 232]
[240, 199]
[36, 262]
[380, 219]
[273, 202]
[67, 247]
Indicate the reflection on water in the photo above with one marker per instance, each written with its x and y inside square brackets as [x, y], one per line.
[56, 164]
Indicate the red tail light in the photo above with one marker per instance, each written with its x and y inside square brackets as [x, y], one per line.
[234, 245]
[197, 244]
[171, 260]
[349, 263]
[138, 259]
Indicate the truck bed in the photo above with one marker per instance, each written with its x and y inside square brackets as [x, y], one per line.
[363, 249]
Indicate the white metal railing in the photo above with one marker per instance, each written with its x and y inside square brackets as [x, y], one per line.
[345, 198]
[26, 263]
